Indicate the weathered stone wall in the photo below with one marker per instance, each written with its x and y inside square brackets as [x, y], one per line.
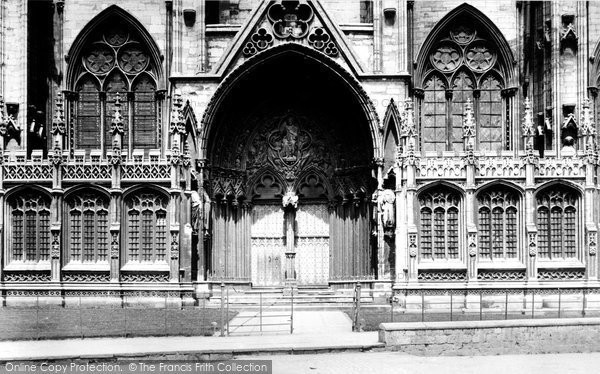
[492, 337]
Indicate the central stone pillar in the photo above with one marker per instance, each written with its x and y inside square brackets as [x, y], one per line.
[290, 204]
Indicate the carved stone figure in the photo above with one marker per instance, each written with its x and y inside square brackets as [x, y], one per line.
[386, 207]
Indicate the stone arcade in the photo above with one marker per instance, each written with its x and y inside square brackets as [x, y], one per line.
[163, 147]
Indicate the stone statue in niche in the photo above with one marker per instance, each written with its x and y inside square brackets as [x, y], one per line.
[201, 210]
[386, 202]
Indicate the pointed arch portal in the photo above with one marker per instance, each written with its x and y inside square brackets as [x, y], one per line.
[289, 126]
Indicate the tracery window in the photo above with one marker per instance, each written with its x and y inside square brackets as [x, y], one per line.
[87, 237]
[557, 223]
[498, 224]
[462, 66]
[146, 228]
[30, 221]
[439, 225]
[116, 63]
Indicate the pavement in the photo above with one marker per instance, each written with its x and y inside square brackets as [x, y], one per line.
[314, 331]
[325, 332]
[399, 363]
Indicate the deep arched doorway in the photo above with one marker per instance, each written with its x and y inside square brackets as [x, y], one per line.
[290, 125]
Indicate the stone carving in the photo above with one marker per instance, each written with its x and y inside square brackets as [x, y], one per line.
[33, 276]
[58, 121]
[133, 59]
[501, 275]
[462, 34]
[472, 240]
[259, 41]
[320, 40]
[290, 199]
[532, 243]
[446, 58]
[412, 245]
[114, 244]
[592, 240]
[385, 202]
[8, 127]
[174, 245]
[290, 19]
[442, 276]
[145, 277]
[100, 60]
[480, 57]
[94, 277]
[116, 126]
[561, 274]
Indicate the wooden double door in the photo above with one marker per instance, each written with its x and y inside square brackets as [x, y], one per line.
[311, 242]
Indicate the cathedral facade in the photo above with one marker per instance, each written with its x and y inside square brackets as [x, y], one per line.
[171, 145]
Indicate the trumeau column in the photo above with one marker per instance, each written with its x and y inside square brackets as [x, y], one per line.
[290, 204]
[587, 130]
[378, 221]
[530, 160]
[470, 160]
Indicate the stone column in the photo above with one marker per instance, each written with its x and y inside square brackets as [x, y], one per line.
[290, 204]
[116, 130]
[470, 160]
[56, 159]
[587, 130]
[408, 160]
[530, 160]
[401, 255]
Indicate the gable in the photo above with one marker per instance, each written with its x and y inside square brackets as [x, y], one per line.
[278, 22]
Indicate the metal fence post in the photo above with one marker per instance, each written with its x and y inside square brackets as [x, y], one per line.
[392, 308]
[292, 314]
[506, 305]
[480, 305]
[559, 302]
[422, 306]
[451, 306]
[583, 303]
[80, 319]
[125, 313]
[227, 293]
[260, 311]
[166, 294]
[222, 309]
[37, 317]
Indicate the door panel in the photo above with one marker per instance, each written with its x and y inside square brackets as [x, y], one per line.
[312, 244]
[268, 245]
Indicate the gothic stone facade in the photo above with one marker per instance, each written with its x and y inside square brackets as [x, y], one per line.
[162, 146]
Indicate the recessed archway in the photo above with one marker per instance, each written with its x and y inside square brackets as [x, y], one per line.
[290, 112]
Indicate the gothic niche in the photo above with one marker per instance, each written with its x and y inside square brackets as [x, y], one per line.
[568, 134]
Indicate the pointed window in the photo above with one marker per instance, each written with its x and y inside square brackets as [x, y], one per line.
[29, 240]
[87, 237]
[114, 62]
[557, 223]
[146, 228]
[466, 58]
[439, 225]
[497, 224]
